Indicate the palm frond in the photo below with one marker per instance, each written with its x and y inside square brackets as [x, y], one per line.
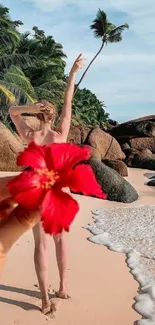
[4, 22]
[115, 38]
[54, 84]
[15, 75]
[22, 60]
[21, 96]
[15, 81]
[13, 33]
[119, 29]
[50, 93]
[99, 24]
[9, 95]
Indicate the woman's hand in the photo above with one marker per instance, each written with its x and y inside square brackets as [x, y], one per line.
[78, 64]
[38, 108]
[32, 109]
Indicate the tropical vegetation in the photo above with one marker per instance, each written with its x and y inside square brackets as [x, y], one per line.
[32, 67]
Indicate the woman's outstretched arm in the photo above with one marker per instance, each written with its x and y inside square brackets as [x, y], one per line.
[65, 117]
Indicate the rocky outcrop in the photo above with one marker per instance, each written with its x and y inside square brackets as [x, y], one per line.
[104, 145]
[143, 143]
[74, 135]
[140, 159]
[134, 129]
[145, 118]
[117, 188]
[117, 165]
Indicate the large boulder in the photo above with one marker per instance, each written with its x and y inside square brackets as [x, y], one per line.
[78, 134]
[134, 129]
[85, 130]
[124, 145]
[145, 118]
[143, 143]
[74, 135]
[140, 159]
[112, 122]
[105, 145]
[151, 182]
[18, 138]
[9, 149]
[117, 188]
[117, 165]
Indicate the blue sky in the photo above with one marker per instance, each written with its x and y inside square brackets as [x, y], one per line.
[124, 74]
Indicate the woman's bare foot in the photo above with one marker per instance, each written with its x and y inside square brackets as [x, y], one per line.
[46, 307]
[62, 293]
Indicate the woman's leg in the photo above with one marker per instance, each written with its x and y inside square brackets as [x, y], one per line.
[41, 265]
[61, 255]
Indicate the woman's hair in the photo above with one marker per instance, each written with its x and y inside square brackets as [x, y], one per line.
[49, 114]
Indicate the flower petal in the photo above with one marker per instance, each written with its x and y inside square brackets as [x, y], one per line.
[82, 180]
[65, 155]
[58, 211]
[33, 156]
[23, 189]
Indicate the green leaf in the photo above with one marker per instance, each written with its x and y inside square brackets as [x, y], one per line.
[7, 93]
[22, 60]
[99, 24]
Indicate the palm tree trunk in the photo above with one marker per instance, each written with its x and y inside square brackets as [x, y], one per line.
[77, 86]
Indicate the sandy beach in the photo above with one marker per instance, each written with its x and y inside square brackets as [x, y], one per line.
[101, 287]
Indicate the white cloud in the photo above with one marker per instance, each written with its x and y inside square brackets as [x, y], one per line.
[132, 7]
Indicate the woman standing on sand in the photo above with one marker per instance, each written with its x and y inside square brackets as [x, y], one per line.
[46, 113]
[38, 192]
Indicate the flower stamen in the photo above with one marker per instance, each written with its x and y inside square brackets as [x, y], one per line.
[47, 178]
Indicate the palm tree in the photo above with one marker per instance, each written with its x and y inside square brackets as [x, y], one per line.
[48, 54]
[107, 32]
[10, 39]
[8, 34]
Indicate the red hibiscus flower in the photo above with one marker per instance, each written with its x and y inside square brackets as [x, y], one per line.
[53, 168]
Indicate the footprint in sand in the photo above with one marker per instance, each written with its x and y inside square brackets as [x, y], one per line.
[55, 305]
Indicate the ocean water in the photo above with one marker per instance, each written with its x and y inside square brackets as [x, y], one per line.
[131, 230]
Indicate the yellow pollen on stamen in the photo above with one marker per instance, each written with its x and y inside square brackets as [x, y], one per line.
[50, 178]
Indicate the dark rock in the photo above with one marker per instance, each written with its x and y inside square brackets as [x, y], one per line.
[124, 146]
[134, 129]
[143, 143]
[117, 165]
[151, 183]
[140, 159]
[117, 188]
[112, 122]
[145, 118]
[131, 152]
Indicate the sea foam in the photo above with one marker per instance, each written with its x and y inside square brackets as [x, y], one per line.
[131, 230]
